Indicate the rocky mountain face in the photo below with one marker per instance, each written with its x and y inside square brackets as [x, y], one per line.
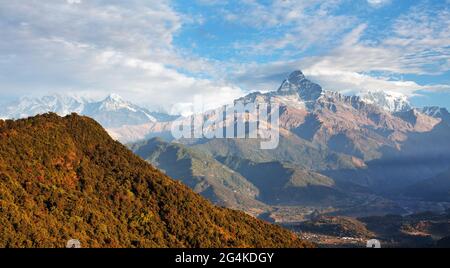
[437, 112]
[297, 83]
[64, 178]
[347, 124]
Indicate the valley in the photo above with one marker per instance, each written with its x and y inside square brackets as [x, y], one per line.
[423, 230]
[342, 158]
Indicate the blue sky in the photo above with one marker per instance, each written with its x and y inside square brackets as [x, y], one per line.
[165, 53]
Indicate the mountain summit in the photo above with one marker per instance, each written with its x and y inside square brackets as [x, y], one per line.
[295, 78]
[115, 102]
[297, 83]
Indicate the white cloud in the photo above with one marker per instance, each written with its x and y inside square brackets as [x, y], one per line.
[354, 83]
[299, 24]
[279, 12]
[417, 43]
[123, 47]
[378, 3]
[301, 37]
[74, 1]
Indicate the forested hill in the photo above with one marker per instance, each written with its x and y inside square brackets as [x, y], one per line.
[63, 178]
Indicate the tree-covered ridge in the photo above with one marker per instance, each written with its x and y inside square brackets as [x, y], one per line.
[63, 178]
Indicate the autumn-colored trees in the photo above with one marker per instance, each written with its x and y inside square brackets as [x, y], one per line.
[63, 178]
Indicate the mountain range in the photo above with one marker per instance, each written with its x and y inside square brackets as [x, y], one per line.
[111, 112]
[356, 155]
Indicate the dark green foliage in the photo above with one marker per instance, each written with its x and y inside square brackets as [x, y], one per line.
[63, 178]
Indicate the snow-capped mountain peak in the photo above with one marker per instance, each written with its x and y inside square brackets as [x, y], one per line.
[57, 103]
[115, 97]
[389, 101]
[296, 77]
[115, 102]
[296, 83]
